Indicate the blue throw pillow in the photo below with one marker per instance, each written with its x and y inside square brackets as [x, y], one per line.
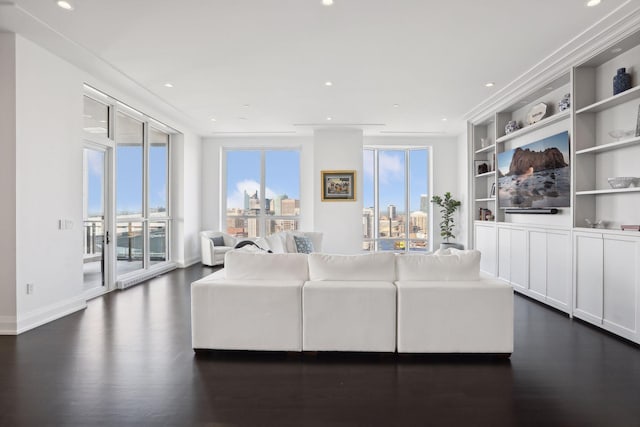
[218, 241]
[304, 245]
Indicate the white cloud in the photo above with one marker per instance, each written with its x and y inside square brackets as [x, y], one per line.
[236, 198]
[390, 167]
[95, 162]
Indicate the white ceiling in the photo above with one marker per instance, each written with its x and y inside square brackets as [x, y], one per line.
[432, 58]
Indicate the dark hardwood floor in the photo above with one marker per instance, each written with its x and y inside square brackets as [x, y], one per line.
[127, 360]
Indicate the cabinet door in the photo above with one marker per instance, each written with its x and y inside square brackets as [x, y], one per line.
[538, 263]
[588, 253]
[620, 282]
[485, 241]
[559, 269]
[504, 254]
[519, 259]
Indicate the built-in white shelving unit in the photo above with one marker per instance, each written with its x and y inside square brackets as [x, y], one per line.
[563, 115]
[590, 273]
[610, 146]
[612, 101]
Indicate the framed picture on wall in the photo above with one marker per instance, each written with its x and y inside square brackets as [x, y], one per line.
[338, 186]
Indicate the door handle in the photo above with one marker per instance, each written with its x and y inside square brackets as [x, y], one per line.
[108, 240]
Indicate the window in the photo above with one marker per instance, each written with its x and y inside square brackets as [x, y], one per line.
[142, 177]
[262, 191]
[395, 216]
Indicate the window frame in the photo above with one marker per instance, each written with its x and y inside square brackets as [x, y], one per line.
[376, 239]
[262, 218]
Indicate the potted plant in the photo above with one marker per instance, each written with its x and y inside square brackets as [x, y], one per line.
[449, 206]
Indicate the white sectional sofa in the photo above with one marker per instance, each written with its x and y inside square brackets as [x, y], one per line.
[380, 302]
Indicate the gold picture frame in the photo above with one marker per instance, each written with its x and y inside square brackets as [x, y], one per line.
[338, 186]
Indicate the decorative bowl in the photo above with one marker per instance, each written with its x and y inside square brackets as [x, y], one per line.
[620, 133]
[622, 181]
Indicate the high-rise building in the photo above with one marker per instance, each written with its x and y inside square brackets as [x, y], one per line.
[418, 225]
[424, 203]
[367, 223]
[391, 212]
[288, 207]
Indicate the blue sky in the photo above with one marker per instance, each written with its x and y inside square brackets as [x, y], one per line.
[391, 164]
[129, 179]
[282, 174]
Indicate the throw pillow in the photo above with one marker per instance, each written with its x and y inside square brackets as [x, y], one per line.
[303, 244]
[218, 241]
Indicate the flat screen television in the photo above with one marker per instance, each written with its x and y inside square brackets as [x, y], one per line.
[536, 175]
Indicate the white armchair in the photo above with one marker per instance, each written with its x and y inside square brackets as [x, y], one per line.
[213, 254]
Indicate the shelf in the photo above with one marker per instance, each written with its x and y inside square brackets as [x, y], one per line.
[608, 191]
[611, 146]
[486, 199]
[618, 99]
[616, 231]
[485, 149]
[542, 123]
[482, 175]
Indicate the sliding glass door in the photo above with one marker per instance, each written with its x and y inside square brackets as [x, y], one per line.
[95, 224]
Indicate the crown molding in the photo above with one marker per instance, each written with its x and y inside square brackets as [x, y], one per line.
[620, 23]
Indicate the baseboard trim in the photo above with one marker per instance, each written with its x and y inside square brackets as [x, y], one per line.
[49, 313]
[8, 325]
[185, 264]
[139, 277]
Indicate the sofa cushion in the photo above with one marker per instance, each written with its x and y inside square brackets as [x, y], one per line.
[375, 266]
[276, 243]
[265, 266]
[304, 245]
[290, 244]
[456, 265]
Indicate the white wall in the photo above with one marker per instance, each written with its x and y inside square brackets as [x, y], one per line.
[46, 182]
[49, 184]
[8, 307]
[186, 195]
[341, 222]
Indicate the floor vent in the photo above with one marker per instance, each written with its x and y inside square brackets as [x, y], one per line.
[127, 282]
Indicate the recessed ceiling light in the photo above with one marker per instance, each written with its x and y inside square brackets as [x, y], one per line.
[64, 5]
[213, 119]
[396, 105]
[330, 2]
[489, 84]
[592, 3]
[328, 83]
[444, 119]
[616, 50]
[168, 84]
[329, 118]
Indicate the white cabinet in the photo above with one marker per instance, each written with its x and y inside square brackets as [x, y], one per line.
[607, 281]
[537, 263]
[485, 242]
[512, 256]
[550, 267]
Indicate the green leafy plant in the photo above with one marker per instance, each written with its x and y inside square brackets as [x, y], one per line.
[449, 206]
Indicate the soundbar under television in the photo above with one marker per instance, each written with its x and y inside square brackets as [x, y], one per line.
[536, 175]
